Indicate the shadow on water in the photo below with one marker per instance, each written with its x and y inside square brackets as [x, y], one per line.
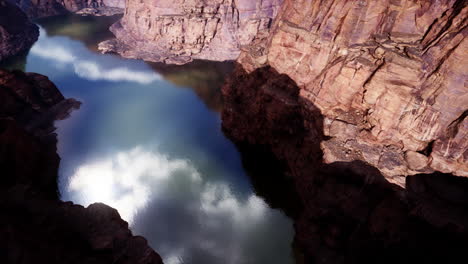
[204, 77]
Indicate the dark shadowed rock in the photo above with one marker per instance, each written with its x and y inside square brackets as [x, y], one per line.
[17, 33]
[35, 226]
[349, 212]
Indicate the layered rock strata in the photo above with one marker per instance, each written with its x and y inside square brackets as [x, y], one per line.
[388, 77]
[17, 33]
[179, 31]
[35, 226]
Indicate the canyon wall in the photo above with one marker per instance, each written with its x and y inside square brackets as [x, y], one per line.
[362, 105]
[17, 33]
[388, 77]
[178, 31]
[36, 227]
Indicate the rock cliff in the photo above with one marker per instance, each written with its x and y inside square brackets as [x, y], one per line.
[388, 77]
[35, 226]
[178, 31]
[363, 105]
[17, 33]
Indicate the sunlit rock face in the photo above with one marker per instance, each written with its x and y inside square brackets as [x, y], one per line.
[177, 31]
[388, 77]
[17, 34]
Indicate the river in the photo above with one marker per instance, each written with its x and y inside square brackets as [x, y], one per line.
[148, 142]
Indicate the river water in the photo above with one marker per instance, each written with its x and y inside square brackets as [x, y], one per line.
[148, 142]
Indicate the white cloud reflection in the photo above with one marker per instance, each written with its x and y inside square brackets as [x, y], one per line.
[88, 65]
[125, 181]
[168, 201]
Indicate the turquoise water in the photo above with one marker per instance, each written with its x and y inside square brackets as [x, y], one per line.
[147, 141]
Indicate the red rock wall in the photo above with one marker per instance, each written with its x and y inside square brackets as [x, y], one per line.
[177, 31]
[388, 77]
[376, 89]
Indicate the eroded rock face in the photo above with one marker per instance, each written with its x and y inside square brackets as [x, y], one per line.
[178, 31]
[388, 77]
[17, 34]
[35, 226]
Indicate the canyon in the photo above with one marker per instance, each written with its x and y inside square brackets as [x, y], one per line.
[361, 105]
[384, 75]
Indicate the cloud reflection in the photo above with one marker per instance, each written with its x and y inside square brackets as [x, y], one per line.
[125, 181]
[87, 64]
[186, 218]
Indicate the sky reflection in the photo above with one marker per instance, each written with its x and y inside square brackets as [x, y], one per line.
[92, 66]
[156, 153]
[201, 221]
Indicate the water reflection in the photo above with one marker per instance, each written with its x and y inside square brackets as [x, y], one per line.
[156, 153]
[203, 77]
[213, 224]
[62, 51]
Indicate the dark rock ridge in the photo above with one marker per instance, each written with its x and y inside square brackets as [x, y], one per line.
[177, 31]
[36, 227]
[347, 212]
[17, 33]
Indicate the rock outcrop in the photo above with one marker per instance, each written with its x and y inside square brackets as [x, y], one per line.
[17, 33]
[35, 226]
[388, 77]
[179, 31]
